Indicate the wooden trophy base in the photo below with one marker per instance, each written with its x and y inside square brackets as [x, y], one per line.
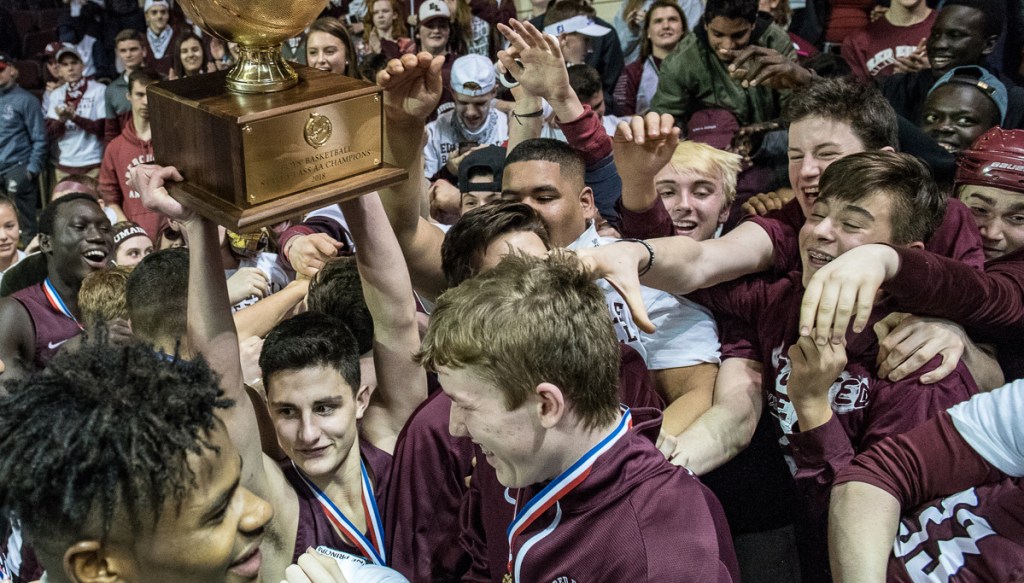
[252, 160]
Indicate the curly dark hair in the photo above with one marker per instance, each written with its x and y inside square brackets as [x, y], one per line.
[103, 431]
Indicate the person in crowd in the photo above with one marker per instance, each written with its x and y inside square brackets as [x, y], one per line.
[827, 400]
[131, 244]
[964, 103]
[955, 479]
[696, 187]
[473, 122]
[161, 37]
[585, 82]
[633, 25]
[131, 148]
[158, 496]
[189, 58]
[585, 39]
[479, 184]
[471, 35]
[894, 43]
[131, 49]
[312, 381]
[10, 236]
[664, 25]
[987, 304]
[76, 240]
[433, 31]
[102, 296]
[964, 33]
[728, 27]
[480, 176]
[385, 30]
[329, 48]
[23, 147]
[52, 75]
[76, 118]
[539, 420]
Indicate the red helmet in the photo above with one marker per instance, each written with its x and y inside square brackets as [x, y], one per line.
[995, 159]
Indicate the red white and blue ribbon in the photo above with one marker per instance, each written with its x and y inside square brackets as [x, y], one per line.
[373, 547]
[56, 302]
[564, 483]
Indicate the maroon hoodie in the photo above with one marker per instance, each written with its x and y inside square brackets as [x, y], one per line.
[122, 154]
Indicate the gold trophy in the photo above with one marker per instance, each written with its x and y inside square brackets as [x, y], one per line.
[264, 142]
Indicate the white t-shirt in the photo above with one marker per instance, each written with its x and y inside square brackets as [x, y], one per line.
[991, 424]
[267, 263]
[686, 333]
[21, 255]
[444, 135]
[78, 147]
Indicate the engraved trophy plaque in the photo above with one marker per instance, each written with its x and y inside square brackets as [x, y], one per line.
[263, 141]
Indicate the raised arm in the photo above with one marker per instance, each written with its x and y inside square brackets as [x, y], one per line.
[680, 265]
[211, 329]
[724, 430]
[412, 87]
[401, 383]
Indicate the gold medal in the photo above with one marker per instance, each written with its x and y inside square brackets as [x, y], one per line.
[507, 578]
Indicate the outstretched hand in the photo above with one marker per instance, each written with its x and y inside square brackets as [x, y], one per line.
[149, 180]
[754, 66]
[617, 264]
[412, 87]
[643, 145]
[845, 287]
[535, 60]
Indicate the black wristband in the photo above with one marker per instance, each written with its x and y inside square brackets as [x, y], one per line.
[650, 254]
[518, 116]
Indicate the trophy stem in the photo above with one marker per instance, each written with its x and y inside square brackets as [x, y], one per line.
[261, 69]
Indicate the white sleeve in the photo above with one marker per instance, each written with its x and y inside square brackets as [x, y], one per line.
[990, 424]
[432, 151]
[686, 333]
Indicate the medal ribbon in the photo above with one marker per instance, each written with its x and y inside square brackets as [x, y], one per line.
[56, 303]
[563, 484]
[372, 547]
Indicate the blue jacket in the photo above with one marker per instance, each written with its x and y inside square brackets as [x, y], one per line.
[22, 130]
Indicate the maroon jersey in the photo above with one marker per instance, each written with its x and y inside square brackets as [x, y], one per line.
[637, 503]
[314, 527]
[866, 408]
[431, 467]
[872, 51]
[989, 304]
[979, 531]
[51, 328]
[957, 237]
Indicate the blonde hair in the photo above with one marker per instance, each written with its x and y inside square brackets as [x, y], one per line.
[710, 161]
[528, 321]
[102, 296]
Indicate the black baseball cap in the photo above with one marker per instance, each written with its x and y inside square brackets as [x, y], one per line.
[489, 160]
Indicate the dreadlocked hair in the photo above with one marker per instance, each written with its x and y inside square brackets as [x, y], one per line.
[100, 431]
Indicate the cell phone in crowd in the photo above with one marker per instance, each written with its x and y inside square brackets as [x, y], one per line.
[467, 146]
[352, 18]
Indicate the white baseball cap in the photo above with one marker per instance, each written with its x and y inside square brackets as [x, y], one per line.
[473, 75]
[582, 24]
[434, 9]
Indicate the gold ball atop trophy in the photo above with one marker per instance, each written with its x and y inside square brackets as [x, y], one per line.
[267, 140]
[259, 27]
